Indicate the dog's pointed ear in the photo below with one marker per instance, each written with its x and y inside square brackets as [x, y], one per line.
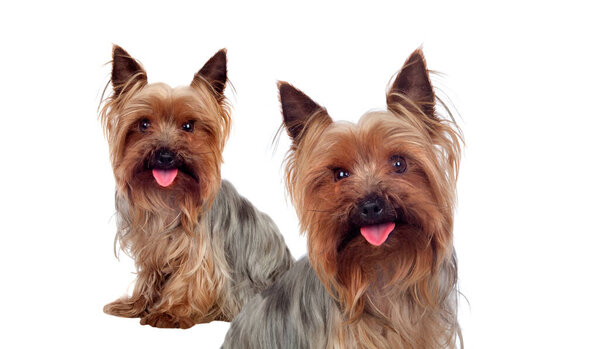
[412, 86]
[297, 108]
[126, 71]
[214, 72]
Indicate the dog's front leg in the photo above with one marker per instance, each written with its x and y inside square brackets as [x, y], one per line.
[147, 290]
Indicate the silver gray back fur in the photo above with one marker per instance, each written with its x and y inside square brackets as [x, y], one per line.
[255, 251]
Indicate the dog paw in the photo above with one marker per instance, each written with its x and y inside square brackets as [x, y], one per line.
[125, 308]
[166, 320]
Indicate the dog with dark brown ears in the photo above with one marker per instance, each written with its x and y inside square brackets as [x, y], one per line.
[376, 200]
[201, 250]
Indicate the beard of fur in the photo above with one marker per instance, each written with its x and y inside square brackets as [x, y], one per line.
[184, 201]
[415, 268]
[360, 276]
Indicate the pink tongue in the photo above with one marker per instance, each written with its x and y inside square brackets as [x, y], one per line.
[164, 178]
[377, 234]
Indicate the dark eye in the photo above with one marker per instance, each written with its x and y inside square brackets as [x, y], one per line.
[399, 164]
[340, 173]
[144, 124]
[188, 126]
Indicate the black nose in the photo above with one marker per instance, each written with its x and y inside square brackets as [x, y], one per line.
[165, 158]
[371, 209]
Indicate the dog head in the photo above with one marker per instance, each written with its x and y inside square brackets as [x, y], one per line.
[166, 143]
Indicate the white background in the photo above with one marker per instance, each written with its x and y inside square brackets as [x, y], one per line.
[524, 77]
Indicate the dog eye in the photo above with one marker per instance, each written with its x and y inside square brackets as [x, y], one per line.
[144, 124]
[340, 173]
[188, 126]
[399, 164]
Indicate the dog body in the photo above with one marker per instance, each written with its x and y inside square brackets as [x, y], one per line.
[376, 199]
[298, 312]
[200, 249]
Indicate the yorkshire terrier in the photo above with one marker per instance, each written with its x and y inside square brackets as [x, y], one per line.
[201, 250]
[376, 199]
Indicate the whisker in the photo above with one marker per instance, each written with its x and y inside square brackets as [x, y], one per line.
[321, 211]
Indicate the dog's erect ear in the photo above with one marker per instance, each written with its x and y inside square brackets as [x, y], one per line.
[297, 108]
[413, 83]
[214, 72]
[126, 71]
